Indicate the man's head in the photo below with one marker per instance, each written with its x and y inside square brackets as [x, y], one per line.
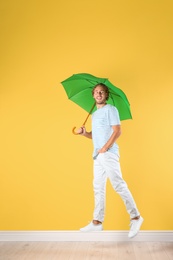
[101, 89]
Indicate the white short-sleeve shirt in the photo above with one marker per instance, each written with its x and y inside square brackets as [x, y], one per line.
[102, 121]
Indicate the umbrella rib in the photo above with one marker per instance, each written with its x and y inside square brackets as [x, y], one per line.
[76, 94]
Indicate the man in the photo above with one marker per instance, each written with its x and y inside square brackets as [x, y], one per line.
[105, 131]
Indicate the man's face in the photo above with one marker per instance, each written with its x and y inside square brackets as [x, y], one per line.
[100, 95]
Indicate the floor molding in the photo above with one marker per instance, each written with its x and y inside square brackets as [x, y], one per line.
[165, 236]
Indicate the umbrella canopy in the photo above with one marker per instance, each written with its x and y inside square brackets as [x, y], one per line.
[79, 89]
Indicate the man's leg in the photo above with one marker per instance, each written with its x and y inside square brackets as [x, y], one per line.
[113, 170]
[99, 186]
[112, 167]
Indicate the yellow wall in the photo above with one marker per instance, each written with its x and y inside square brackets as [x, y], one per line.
[46, 171]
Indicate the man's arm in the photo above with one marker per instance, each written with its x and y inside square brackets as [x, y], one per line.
[82, 131]
[116, 133]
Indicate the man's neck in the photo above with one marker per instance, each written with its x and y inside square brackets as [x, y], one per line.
[100, 105]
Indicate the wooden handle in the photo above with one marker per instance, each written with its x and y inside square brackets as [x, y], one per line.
[73, 131]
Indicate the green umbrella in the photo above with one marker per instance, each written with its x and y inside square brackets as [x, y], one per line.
[79, 89]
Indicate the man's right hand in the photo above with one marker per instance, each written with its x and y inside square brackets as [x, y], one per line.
[81, 130]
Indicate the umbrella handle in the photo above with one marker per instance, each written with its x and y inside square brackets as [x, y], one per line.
[73, 131]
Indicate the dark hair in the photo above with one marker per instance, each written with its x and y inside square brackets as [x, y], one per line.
[106, 89]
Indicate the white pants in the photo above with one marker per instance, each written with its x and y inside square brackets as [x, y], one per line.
[107, 165]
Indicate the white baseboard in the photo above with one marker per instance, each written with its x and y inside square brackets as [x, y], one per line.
[72, 236]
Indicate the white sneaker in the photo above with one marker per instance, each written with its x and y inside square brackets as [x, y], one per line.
[135, 227]
[92, 227]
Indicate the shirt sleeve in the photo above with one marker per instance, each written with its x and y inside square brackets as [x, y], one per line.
[113, 116]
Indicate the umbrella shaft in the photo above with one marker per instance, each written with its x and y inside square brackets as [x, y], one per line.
[89, 114]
